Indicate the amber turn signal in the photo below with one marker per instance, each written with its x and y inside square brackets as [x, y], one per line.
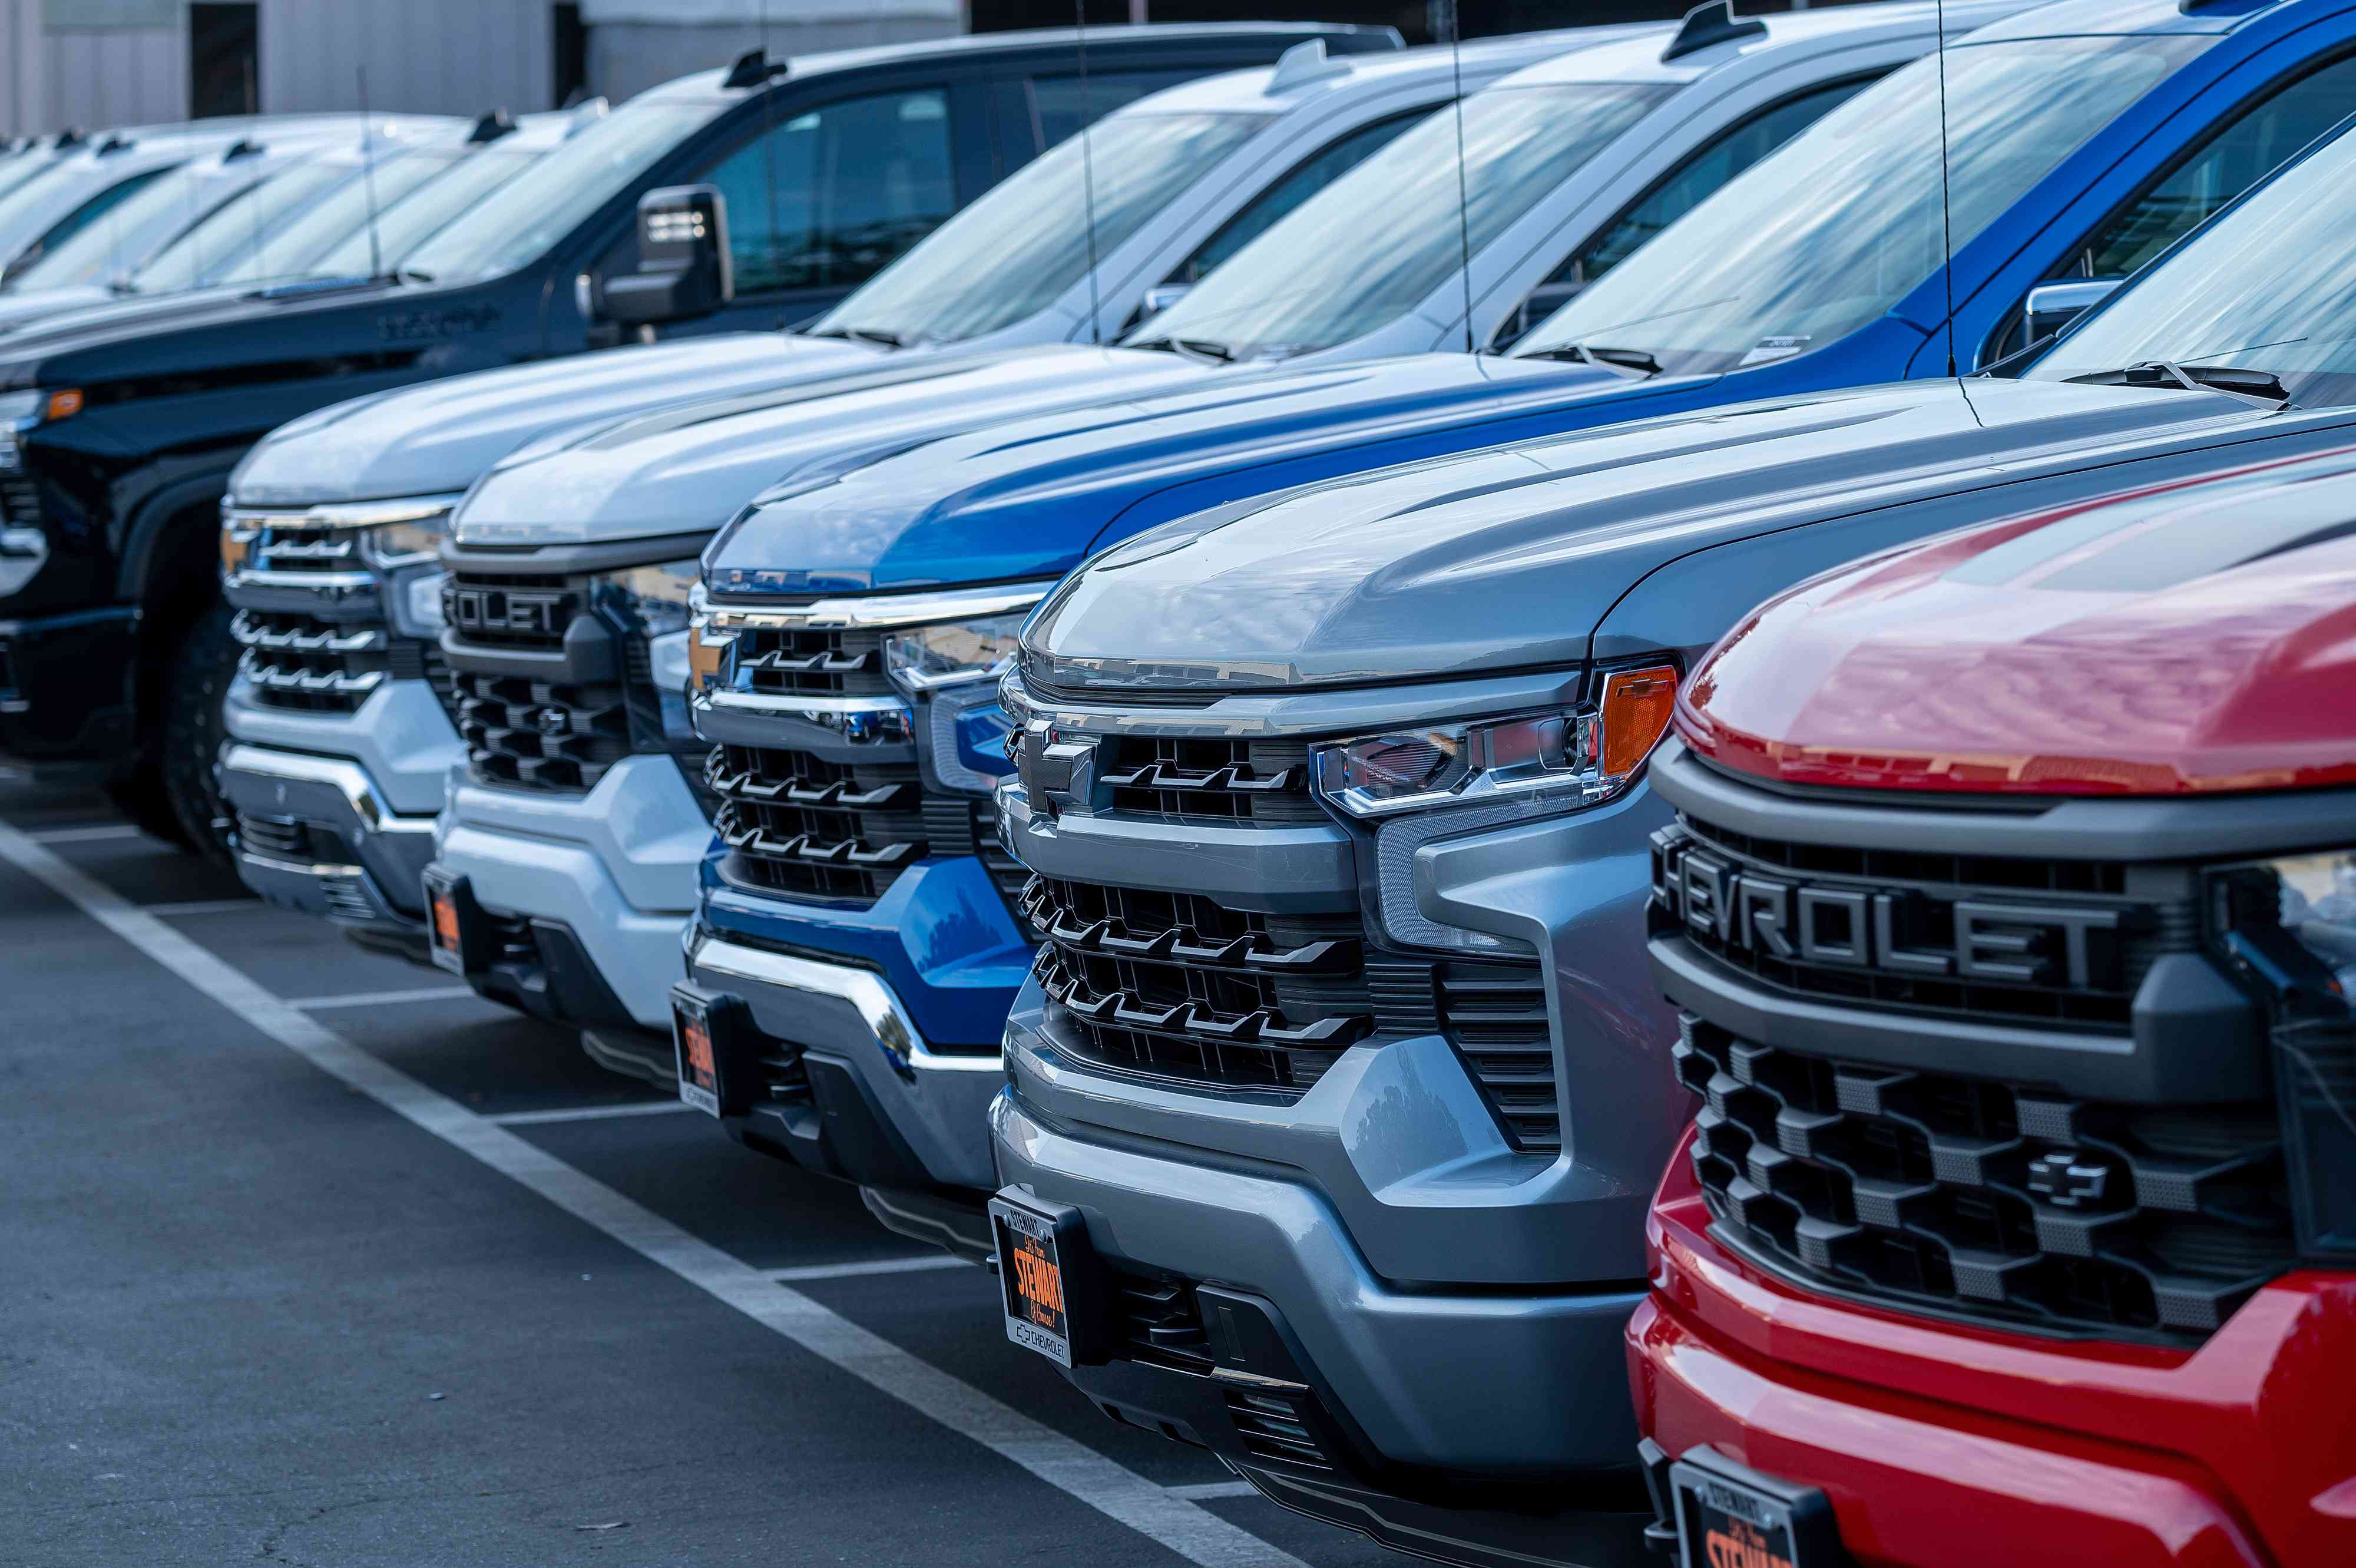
[1636, 710]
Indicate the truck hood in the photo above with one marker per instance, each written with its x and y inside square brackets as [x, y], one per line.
[1508, 558]
[41, 304]
[129, 336]
[439, 437]
[696, 464]
[1030, 498]
[2180, 639]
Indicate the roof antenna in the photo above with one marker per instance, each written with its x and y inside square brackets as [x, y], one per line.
[368, 174]
[1946, 205]
[769, 141]
[1464, 197]
[1088, 173]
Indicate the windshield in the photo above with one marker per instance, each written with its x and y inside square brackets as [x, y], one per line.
[1011, 253]
[408, 223]
[34, 209]
[249, 237]
[1843, 222]
[295, 248]
[134, 228]
[550, 199]
[1369, 247]
[25, 167]
[2270, 286]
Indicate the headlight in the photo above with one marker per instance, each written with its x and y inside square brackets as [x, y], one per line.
[949, 653]
[707, 644]
[654, 599]
[1588, 754]
[2288, 926]
[416, 600]
[394, 545]
[20, 412]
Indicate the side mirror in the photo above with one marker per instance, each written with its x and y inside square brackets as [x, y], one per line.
[1161, 297]
[684, 264]
[2053, 305]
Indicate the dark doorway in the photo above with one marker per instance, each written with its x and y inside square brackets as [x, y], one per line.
[224, 61]
[568, 54]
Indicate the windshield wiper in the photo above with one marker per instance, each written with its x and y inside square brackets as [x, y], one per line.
[2264, 385]
[876, 335]
[1636, 361]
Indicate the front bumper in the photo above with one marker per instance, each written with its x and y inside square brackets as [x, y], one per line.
[2232, 1456]
[605, 881]
[364, 786]
[68, 687]
[1480, 1427]
[854, 1090]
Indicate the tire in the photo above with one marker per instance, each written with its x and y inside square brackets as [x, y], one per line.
[140, 798]
[193, 689]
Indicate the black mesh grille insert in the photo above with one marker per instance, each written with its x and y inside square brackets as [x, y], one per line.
[1496, 1016]
[1882, 924]
[283, 838]
[301, 662]
[1173, 985]
[1192, 778]
[1995, 1201]
[799, 824]
[1158, 1322]
[532, 733]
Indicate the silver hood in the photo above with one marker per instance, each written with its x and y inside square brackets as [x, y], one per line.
[695, 465]
[440, 437]
[1508, 558]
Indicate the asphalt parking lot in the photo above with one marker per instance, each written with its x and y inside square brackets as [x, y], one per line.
[313, 1258]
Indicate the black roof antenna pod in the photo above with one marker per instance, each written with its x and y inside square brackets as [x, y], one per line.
[491, 127]
[754, 67]
[1711, 23]
[241, 149]
[116, 141]
[70, 136]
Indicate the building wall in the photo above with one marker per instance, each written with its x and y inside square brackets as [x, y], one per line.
[423, 56]
[635, 44]
[66, 62]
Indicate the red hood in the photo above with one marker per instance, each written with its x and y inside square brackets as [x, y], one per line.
[2184, 639]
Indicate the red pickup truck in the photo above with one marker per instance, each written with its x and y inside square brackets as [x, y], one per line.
[2010, 914]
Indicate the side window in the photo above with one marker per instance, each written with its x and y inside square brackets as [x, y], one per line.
[1303, 180]
[1673, 197]
[2234, 158]
[1059, 105]
[830, 197]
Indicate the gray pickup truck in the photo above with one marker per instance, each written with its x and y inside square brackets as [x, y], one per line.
[1341, 1083]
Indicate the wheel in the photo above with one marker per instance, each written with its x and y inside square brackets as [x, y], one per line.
[194, 687]
[141, 800]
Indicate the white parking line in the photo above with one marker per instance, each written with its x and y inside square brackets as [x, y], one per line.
[1206, 1491]
[589, 1112]
[1154, 1511]
[872, 1266]
[379, 998]
[83, 836]
[204, 907]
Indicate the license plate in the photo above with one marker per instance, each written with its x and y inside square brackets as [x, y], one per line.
[443, 943]
[1730, 1516]
[699, 1065]
[1032, 1250]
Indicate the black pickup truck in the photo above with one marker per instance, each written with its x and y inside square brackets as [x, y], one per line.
[119, 426]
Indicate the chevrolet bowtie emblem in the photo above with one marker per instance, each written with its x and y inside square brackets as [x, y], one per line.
[2068, 1179]
[553, 720]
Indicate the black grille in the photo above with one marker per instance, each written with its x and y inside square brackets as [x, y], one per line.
[1999, 1202]
[1899, 924]
[522, 731]
[1173, 985]
[302, 662]
[1496, 1016]
[20, 501]
[795, 662]
[1272, 1427]
[1192, 778]
[1158, 1321]
[799, 824]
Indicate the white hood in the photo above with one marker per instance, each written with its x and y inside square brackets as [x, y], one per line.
[440, 437]
[695, 468]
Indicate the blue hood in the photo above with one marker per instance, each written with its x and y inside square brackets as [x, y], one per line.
[1030, 499]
